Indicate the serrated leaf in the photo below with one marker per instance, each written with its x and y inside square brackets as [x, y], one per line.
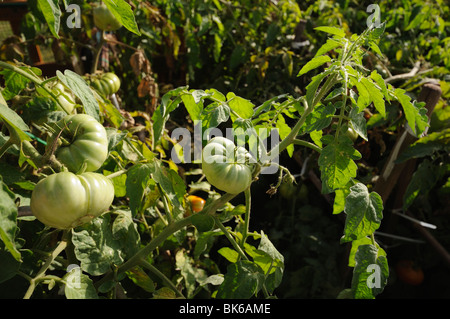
[123, 12]
[241, 106]
[332, 30]
[312, 87]
[138, 178]
[169, 102]
[331, 44]
[81, 89]
[125, 230]
[242, 281]
[415, 114]
[16, 126]
[192, 275]
[355, 246]
[141, 279]
[173, 187]
[193, 103]
[95, 246]
[336, 164]
[229, 254]
[319, 118]
[8, 220]
[358, 123]
[422, 181]
[52, 14]
[214, 114]
[314, 64]
[427, 145]
[375, 96]
[370, 274]
[380, 81]
[364, 212]
[79, 285]
[339, 200]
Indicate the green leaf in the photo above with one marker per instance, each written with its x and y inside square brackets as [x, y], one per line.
[242, 280]
[336, 164]
[16, 126]
[422, 181]
[229, 254]
[332, 30]
[203, 222]
[364, 212]
[380, 81]
[375, 96]
[81, 89]
[95, 246]
[214, 114]
[358, 123]
[169, 102]
[339, 200]
[123, 12]
[138, 179]
[415, 113]
[173, 187]
[52, 14]
[243, 107]
[141, 279]
[14, 83]
[192, 275]
[370, 274]
[312, 87]
[8, 220]
[79, 285]
[427, 145]
[125, 230]
[355, 246]
[331, 44]
[319, 118]
[9, 265]
[314, 63]
[193, 103]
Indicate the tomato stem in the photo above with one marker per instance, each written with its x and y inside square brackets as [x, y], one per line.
[144, 263]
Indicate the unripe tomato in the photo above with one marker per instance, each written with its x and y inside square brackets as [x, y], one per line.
[112, 80]
[409, 273]
[106, 84]
[197, 203]
[227, 166]
[65, 200]
[88, 143]
[64, 96]
[104, 19]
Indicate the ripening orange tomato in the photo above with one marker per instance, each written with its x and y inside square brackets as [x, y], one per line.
[197, 203]
[409, 273]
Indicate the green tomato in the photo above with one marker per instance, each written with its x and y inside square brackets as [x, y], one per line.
[227, 166]
[104, 19]
[112, 80]
[106, 84]
[88, 143]
[64, 97]
[65, 200]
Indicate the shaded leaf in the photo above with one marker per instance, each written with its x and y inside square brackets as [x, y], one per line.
[364, 212]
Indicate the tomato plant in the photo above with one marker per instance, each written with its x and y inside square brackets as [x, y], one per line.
[104, 183]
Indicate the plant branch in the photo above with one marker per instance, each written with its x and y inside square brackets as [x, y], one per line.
[163, 277]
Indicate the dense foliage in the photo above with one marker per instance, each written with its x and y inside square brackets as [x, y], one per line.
[336, 85]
